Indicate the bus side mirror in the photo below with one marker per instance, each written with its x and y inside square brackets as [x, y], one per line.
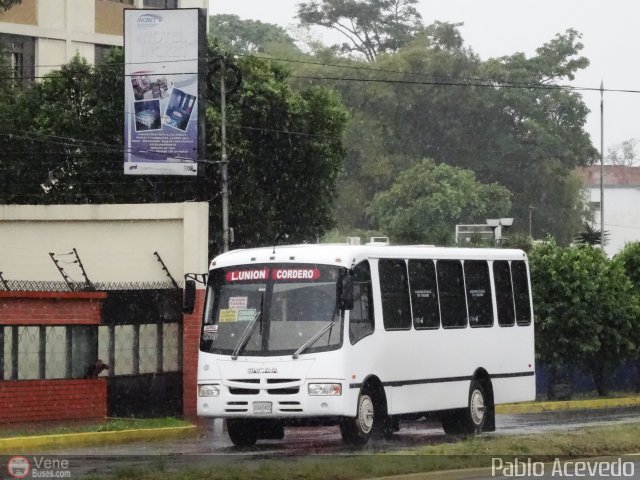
[345, 298]
[189, 297]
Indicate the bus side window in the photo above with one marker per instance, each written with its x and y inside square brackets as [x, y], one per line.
[521, 292]
[476, 276]
[451, 290]
[396, 309]
[424, 294]
[504, 293]
[361, 323]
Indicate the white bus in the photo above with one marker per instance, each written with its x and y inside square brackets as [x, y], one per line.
[364, 336]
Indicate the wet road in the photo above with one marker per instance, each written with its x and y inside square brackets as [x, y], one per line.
[214, 446]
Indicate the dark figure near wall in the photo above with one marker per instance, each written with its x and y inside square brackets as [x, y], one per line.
[94, 370]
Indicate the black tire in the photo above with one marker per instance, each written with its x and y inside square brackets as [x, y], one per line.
[470, 420]
[242, 432]
[453, 421]
[476, 412]
[357, 430]
[390, 425]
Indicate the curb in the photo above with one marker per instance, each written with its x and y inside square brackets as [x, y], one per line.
[537, 407]
[88, 439]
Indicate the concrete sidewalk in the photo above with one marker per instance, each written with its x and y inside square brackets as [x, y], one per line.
[14, 445]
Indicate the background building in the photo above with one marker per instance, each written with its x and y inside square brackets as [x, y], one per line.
[83, 283]
[40, 35]
[621, 203]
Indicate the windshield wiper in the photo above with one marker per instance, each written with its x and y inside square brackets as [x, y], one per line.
[244, 339]
[313, 339]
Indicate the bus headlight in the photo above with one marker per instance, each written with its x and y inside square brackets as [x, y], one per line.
[209, 390]
[325, 389]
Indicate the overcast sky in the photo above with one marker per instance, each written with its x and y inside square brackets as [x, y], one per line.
[492, 28]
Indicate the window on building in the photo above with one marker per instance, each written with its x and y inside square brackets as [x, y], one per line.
[160, 4]
[100, 53]
[453, 305]
[424, 294]
[396, 309]
[29, 352]
[20, 54]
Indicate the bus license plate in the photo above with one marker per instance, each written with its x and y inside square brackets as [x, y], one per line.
[261, 407]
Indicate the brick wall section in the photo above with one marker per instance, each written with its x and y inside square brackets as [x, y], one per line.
[50, 400]
[190, 347]
[50, 308]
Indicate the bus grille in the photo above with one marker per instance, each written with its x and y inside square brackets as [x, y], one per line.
[235, 407]
[243, 391]
[251, 386]
[289, 407]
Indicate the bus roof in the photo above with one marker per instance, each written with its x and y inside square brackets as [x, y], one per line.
[346, 255]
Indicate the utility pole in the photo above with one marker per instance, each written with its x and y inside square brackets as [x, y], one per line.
[602, 165]
[224, 161]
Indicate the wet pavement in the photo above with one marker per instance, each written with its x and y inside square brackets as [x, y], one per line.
[213, 446]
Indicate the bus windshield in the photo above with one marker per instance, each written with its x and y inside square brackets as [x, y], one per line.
[262, 310]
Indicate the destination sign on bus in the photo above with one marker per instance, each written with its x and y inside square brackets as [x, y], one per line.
[247, 275]
[278, 274]
[295, 274]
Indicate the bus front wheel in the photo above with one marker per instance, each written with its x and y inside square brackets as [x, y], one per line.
[357, 430]
[242, 432]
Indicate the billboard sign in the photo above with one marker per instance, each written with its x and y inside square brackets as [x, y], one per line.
[162, 94]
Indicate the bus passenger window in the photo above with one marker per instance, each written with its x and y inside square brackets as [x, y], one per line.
[396, 309]
[424, 294]
[521, 292]
[504, 293]
[451, 290]
[476, 276]
[361, 322]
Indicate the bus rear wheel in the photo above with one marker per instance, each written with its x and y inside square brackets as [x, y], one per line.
[357, 430]
[472, 419]
[242, 432]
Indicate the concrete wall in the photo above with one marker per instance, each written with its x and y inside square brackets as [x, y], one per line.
[621, 215]
[116, 243]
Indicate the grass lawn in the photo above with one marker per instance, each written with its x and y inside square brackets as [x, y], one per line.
[464, 453]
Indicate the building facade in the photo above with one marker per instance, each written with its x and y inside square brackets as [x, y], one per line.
[39, 36]
[88, 286]
[621, 203]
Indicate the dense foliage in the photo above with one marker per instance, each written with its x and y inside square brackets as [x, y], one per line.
[426, 199]
[587, 311]
[285, 150]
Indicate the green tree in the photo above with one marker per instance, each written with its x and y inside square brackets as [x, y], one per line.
[286, 153]
[629, 260]
[625, 153]
[585, 308]
[285, 150]
[507, 119]
[250, 36]
[426, 202]
[590, 236]
[369, 27]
